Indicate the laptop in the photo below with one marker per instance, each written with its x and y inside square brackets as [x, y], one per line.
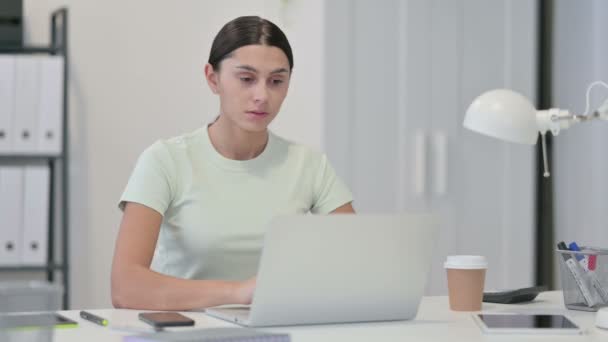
[321, 269]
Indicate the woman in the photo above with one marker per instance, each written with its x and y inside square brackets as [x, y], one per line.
[196, 206]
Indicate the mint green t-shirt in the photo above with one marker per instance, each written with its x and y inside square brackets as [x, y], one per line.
[216, 210]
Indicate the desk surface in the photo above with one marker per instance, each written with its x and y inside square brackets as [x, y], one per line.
[434, 322]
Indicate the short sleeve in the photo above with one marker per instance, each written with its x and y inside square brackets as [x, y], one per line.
[151, 182]
[330, 192]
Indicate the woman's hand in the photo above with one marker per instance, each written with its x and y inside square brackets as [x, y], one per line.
[244, 291]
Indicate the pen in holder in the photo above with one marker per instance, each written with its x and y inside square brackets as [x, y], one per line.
[584, 277]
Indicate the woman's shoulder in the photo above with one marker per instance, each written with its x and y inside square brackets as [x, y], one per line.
[297, 150]
[175, 145]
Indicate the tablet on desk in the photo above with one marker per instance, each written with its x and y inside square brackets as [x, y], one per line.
[526, 324]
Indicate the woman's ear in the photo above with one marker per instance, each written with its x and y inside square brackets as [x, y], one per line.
[212, 78]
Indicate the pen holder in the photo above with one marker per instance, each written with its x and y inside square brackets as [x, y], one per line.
[584, 277]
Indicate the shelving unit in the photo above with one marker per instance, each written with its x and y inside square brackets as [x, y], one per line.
[58, 164]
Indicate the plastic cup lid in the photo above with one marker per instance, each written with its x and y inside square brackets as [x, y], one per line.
[467, 262]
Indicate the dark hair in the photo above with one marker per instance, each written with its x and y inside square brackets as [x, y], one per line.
[248, 30]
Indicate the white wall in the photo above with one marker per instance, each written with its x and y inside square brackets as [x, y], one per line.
[400, 77]
[137, 75]
[580, 164]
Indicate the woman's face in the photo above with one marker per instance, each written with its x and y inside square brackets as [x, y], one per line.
[252, 85]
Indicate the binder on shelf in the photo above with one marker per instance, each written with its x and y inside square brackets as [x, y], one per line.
[35, 213]
[11, 201]
[26, 104]
[50, 109]
[32, 135]
[7, 101]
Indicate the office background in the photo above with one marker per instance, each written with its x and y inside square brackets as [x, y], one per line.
[380, 85]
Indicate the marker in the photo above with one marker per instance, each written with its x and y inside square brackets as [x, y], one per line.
[93, 318]
[592, 262]
[595, 282]
[578, 274]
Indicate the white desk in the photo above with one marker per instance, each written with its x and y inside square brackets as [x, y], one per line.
[435, 322]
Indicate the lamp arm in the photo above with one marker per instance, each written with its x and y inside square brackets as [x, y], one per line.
[546, 174]
[553, 120]
[556, 119]
[602, 111]
[576, 118]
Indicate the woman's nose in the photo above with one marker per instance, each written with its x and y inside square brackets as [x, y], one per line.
[260, 93]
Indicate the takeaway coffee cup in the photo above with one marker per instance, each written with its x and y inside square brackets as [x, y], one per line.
[466, 277]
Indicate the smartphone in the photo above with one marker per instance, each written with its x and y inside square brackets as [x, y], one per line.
[165, 319]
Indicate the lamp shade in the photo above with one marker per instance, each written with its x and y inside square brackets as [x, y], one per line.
[503, 114]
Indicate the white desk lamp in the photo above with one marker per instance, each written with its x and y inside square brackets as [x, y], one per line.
[510, 116]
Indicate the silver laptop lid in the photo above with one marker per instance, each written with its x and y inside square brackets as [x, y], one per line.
[343, 268]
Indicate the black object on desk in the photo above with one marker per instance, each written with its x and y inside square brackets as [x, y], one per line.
[522, 295]
[165, 319]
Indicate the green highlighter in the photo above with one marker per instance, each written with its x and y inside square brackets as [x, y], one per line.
[94, 318]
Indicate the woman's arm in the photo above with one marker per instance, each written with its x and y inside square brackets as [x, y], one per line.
[135, 286]
[344, 209]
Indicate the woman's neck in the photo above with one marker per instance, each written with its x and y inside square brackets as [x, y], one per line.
[235, 143]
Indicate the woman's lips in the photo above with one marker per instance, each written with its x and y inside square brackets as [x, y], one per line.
[256, 113]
